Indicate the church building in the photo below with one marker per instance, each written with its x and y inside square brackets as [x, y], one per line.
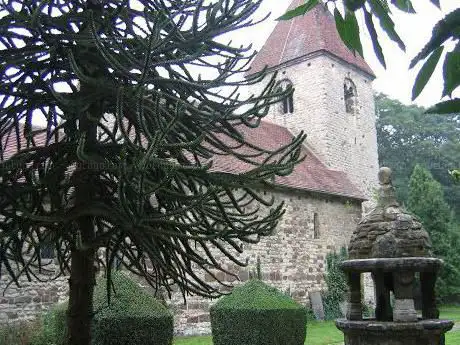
[333, 103]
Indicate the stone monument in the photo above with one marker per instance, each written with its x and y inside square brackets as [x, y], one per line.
[392, 245]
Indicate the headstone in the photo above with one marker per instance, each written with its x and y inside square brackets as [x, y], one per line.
[316, 302]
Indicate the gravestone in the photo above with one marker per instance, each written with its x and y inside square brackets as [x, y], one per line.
[316, 302]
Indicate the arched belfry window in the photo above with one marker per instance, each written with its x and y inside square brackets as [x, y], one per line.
[350, 96]
[287, 105]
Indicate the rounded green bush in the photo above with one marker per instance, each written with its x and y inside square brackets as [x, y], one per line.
[133, 317]
[258, 314]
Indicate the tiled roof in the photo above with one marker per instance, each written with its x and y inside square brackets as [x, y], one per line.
[10, 145]
[309, 175]
[302, 36]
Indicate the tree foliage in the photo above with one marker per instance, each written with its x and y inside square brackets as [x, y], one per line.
[124, 161]
[406, 136]
[426, 200]
[336, 283]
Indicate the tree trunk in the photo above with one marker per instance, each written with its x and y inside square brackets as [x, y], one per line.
[81, 284]
[82, 275]
[83, 255]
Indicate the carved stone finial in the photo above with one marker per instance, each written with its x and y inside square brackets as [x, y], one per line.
[385, 175]
[388, 231]
[387, 194]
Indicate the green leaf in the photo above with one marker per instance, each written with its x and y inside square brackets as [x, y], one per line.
[455, 175]
[387, 24]
[447, 107]
[446, 28]
[373, 33]
[436, 3]
[348, 30]
[404, 5]
[426, 72]
[451, 71]
[299, 11]
[354, 5]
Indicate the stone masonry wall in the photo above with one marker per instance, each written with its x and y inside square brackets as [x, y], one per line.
[31, 298]
[291, 259]
[343, 141]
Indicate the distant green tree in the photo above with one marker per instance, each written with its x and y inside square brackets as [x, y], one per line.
[406, 137]
[426, 200]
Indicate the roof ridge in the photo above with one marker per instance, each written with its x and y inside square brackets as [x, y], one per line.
[286, 41]
[303, 35]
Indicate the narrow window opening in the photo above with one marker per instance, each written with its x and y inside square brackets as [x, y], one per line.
[287, 104]
[316, 233]
[350, 96]
[47, 251]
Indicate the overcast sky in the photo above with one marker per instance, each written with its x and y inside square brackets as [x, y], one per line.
[396, 81]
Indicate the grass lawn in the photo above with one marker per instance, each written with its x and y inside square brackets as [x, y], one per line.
[453, 338]
[318, 333]
[325, 333]
[450, 313]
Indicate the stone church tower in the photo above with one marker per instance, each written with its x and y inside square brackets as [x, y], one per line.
[333, 101]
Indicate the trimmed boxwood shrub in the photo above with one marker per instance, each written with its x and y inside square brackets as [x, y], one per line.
[133, 317]
[258, 314]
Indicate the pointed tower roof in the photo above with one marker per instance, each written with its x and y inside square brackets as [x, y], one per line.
[302, 36]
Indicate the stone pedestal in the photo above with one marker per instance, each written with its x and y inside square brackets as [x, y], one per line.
[392, 245]
[355, 309]
[371, 332]
[395, 324]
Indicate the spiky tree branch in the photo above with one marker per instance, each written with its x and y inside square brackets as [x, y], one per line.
[125, 159]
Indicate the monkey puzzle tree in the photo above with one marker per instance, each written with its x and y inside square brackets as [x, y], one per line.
[124, 161]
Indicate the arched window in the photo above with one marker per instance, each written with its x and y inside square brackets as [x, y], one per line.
[350, 96]
[287, 104]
